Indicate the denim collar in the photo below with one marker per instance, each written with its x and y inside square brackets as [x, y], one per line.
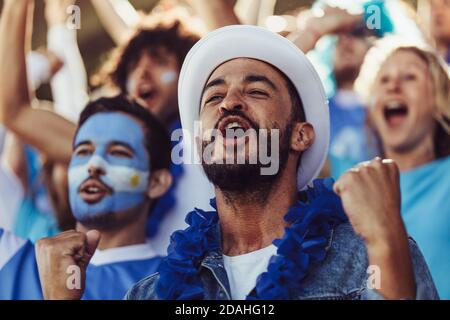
[213, 261]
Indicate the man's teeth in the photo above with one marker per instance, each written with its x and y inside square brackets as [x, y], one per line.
[233, 125]
[93, 190]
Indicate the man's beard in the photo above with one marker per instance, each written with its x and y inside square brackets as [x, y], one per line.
[247, 178]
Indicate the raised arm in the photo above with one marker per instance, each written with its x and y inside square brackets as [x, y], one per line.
[314, 27]
[46, 131]
[215, 13]
[69, 84]
[370, 196]
[254, 12]
[118, 18]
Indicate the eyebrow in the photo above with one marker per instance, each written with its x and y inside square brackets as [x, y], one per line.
[112, 143]
[251, 78]
[82, 143]
[122, 144]
[213, 83]
[259, 78]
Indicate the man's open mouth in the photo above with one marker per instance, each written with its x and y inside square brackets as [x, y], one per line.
[93, 191]
[233, 127]
[395, 112]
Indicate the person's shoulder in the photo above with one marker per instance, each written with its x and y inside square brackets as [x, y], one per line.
[11, 245]
[425, 287]
[344, 238]
[145, 289]
[348, 252]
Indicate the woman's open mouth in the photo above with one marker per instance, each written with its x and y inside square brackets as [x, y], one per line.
[395, 113]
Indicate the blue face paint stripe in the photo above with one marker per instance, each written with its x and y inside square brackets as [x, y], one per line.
[101, 130]
[120, 201]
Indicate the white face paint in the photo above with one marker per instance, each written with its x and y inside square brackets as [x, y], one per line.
[120, 178]
[125, 177]
[131, 85]
[169, 77]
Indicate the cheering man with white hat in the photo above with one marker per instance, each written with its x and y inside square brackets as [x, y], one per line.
[281, 235]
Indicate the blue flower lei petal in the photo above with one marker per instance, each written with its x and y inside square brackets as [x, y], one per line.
[302, 245]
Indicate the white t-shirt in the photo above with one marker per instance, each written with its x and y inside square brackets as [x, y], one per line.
[244, 270]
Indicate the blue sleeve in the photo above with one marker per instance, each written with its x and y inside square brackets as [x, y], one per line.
[19, 276]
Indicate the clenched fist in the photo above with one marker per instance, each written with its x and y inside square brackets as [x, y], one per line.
[63, 257]
[370, 196]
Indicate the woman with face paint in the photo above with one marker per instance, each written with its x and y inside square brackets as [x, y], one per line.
[407, 89]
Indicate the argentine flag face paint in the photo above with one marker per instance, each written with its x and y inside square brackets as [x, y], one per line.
[126, 176]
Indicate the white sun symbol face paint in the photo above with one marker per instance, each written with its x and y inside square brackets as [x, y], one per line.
[131, 85]
[169, 77]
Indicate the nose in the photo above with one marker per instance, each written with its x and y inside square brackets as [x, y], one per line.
[232, 102]
[147, 76]
[95, 171]
[345, 41]
[144, 73]
[394, 84]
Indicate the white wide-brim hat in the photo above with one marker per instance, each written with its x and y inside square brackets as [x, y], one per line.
[241, 41]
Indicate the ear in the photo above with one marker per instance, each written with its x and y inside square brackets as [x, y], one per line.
[302, 136]
[160, 182]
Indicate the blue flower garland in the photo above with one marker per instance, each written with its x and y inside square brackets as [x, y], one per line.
[303, 245]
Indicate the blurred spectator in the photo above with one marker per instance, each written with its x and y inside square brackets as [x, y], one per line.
[147, 68]
[407, 90]
[43, 209]
[348, 136]
[340, 42]
[434, 16]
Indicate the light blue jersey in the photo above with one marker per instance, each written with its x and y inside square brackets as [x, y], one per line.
[111, 273]
[426, 213]
[350, 139]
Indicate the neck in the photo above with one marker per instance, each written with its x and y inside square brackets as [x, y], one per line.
[168, 122]
[247, 224]
[169, 119]
[414, 157]
[442, 47]
[346, 85]
[130, 234]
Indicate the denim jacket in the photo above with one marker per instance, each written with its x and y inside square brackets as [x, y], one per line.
[343, 275]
